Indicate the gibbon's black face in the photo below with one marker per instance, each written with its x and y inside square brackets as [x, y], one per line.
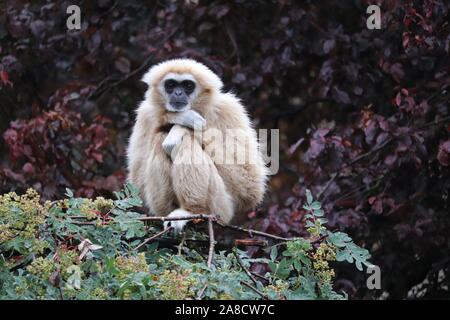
[179, 92]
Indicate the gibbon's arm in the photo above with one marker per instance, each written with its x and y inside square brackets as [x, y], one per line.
[181, 120]
[188, 118]
[136, 153]
[173, 139]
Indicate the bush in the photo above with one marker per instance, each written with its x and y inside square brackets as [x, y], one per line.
[78, 248]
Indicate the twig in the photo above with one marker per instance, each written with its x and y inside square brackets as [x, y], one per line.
[239, 260]
[99, 91]
[333, 177]
[251, 242]
[433, 123]
[211, 241]
[190, 217]
[153, 237]
[180, 246]
[319, 239]
[255, 232]
[359, 189]
[233, 42]
[375, 149]
[248, 285]
[259, 276]
[82, 223]
[364, 155]
[200, 294]
[211, 219]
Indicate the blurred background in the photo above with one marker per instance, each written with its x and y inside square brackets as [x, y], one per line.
[363, 114]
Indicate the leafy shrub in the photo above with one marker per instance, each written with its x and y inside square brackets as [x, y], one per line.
[78, 248]
[56, 149]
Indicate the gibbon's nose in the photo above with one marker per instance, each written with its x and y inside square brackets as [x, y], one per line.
[178, 92]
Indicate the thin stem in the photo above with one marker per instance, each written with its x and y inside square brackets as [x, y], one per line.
[211, 242]
[252, 232]
[248, 285]
[153, 237]
[191, 217]
[200, 294]
[241, 263]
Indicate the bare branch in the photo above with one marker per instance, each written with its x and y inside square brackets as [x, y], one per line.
[239, 260]
[211, 242]
[200, 294]
[252, 232]
[248, 285]
[153, 237]
[190, 217]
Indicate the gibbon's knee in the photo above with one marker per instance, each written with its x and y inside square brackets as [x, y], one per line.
[197, 184]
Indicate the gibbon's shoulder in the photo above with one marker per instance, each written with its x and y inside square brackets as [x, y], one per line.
[229, 105]
[146, 110]
[230, 101]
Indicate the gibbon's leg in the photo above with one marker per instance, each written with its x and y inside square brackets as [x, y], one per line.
[158, 190]
[197, 184]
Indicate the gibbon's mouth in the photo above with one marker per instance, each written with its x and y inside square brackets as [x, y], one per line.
[178, 105]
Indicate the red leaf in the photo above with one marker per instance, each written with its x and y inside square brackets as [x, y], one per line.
[4, 77]
[28, 168]
[443, 155]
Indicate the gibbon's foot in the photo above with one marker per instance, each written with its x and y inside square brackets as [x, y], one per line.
[177, 225]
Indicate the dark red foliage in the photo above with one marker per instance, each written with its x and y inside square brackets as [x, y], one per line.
[363, 114]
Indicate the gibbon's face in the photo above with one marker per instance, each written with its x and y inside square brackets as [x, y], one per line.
[179, 91]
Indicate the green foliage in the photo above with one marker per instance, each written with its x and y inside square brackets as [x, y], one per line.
[80, 248]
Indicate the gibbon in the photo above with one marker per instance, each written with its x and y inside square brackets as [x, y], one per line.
[177, 147]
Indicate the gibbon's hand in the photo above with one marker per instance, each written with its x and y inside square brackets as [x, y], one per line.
[188, 118]
[173, 139]
[177, 225]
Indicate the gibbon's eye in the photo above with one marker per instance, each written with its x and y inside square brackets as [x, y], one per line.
[170, 84]
[188, 86]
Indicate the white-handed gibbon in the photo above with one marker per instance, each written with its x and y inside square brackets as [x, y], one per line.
[177, 147]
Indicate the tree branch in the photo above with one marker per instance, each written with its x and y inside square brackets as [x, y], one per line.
[248, 285]
[252, 232]
[153, 237]
[239, 260]
[190, 217]
[336, 174]
[211, 241]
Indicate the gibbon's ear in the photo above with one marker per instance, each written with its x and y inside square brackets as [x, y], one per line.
[147, 77]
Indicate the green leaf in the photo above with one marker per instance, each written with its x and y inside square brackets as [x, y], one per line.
[273, 253]
[74, 281]
[309, 224]
[318, 213]
[309, 198]
[316, 205]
